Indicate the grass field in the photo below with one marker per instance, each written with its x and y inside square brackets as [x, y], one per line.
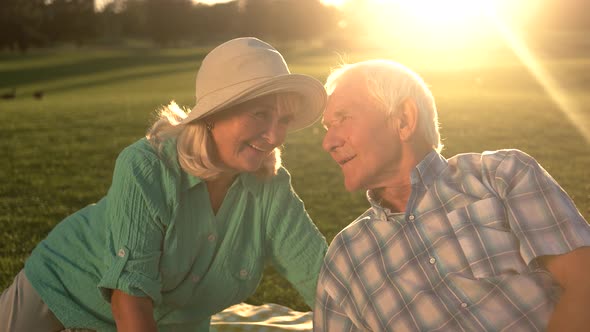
[58, 153]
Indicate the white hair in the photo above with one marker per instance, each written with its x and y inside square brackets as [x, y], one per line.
[195, 146]
[391, 84]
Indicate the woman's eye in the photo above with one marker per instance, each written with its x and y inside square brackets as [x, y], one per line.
[261, 114]
[286, 119]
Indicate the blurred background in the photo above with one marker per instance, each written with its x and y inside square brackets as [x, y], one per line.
[331, 23]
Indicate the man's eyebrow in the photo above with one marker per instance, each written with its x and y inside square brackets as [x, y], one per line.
[337, 115]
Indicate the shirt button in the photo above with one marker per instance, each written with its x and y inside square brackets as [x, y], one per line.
[463, 305]
[243, 273]
[195, 278]
[211, 237]
[432, 260]
[411, 217]
[121, 253]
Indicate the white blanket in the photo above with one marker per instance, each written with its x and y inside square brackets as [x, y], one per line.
[268, 317]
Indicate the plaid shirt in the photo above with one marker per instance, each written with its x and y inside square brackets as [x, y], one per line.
[461, 257]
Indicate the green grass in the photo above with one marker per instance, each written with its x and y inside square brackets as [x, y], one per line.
[58, 153]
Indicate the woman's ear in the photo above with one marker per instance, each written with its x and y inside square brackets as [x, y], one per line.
[407, 119]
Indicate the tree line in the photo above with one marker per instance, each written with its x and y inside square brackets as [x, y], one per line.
[41, 23]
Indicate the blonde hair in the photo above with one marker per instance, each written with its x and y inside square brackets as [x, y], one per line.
[195, 146]
[391, 83]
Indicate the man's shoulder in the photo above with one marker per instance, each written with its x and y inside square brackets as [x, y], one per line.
[356, 225]
[342, 240]
[490, 160]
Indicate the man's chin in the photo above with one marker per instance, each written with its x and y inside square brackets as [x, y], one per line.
[352, 186]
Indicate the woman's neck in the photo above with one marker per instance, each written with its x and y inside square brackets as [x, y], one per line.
[218, 188]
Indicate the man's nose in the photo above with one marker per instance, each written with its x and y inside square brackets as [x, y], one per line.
[331, 141]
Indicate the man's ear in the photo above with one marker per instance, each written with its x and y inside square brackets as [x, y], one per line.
[407, 119]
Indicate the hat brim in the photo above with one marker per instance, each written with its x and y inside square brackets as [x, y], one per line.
[312, 91]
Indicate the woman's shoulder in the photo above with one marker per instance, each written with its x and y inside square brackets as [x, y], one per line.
[140, 162]
[141, 152]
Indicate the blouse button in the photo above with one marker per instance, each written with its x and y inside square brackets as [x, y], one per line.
[195, 278]
[211, 237]
[243, 273]
[432, 260]
[121, 253]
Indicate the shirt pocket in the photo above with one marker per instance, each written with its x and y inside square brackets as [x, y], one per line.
[485, 237]
[246, 272]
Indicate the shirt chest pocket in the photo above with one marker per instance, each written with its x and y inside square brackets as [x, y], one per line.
[245, 272]
[485, 237]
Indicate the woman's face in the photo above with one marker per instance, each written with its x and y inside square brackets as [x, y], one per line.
[245, 135]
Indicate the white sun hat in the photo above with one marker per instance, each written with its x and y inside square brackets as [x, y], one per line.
[246, 68]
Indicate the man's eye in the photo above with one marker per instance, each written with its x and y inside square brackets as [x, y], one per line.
[343, 118]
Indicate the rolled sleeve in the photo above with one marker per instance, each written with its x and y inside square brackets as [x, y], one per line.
[297, 247]
[540, 212]
[134, 231]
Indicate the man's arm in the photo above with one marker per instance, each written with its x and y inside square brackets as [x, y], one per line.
[328, 316]
[572, 272]
[133, 313]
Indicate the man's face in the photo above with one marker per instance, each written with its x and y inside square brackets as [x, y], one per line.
[360, 136]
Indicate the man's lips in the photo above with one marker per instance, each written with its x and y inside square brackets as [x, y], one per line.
[343, 161]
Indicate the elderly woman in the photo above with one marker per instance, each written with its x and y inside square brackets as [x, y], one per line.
[193, 212]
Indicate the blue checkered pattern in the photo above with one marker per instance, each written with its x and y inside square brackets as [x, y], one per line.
[462, 255]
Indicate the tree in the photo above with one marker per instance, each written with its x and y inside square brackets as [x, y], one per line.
[216, 22]
[301, 19]
[168, 21]
[20, 24]
[69, 20]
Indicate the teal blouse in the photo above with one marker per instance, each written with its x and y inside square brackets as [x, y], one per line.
[154, 234]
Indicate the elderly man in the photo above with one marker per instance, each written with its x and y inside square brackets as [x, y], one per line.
[478, 242]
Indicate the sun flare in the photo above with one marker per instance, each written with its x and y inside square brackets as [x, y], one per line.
[336, 3]
[446, 26]
[434, 22]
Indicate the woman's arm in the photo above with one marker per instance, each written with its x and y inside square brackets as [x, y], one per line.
[132, 313]
[296, 246]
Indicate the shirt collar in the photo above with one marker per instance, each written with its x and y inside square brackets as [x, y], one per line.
[191, 180]
[246, 180]
[380, 211]
[251, 183]
[423, 174]
[428, 169]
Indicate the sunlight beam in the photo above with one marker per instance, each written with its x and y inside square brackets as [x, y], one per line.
[565, 104]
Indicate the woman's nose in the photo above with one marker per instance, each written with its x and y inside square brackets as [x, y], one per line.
[275, 133]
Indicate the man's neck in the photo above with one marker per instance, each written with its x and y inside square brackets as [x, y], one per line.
[396, 193]
[393, 198]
